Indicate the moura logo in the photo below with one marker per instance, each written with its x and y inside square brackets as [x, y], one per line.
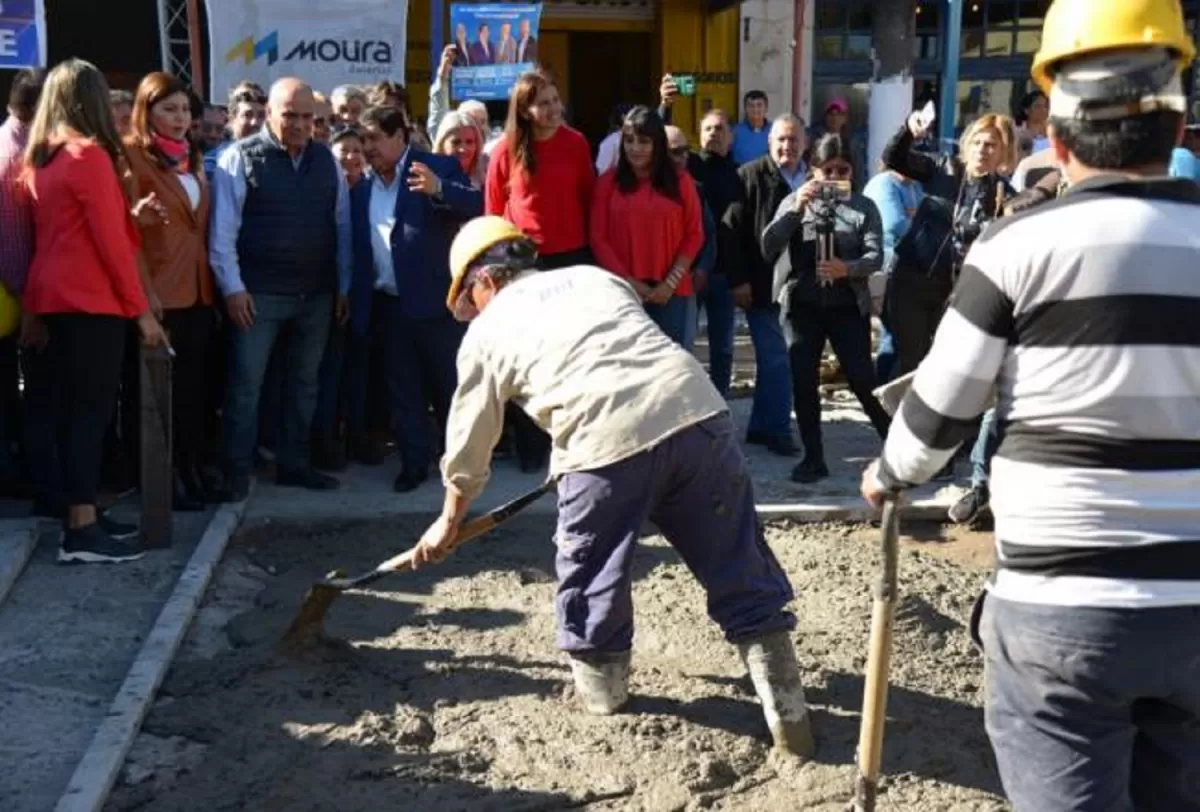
[369, 52]
[249, 51]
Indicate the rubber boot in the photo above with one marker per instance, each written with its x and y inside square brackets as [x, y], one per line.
[771, 661]
[602, 680]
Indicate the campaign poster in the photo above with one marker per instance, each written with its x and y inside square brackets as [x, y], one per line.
[22, 34]
[494, 43]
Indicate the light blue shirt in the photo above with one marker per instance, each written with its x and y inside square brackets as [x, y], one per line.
[382, 215]
[897, 202]
[795, 179]
[228, 201]
[749, 144]
[1184, 164]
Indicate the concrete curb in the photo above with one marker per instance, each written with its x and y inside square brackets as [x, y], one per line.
[18, 538]
[101, 764]
[920, 510]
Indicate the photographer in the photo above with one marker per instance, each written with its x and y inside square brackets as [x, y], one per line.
[962, 196]
[828, 241]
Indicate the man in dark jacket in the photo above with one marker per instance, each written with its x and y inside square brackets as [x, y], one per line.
[764, 185]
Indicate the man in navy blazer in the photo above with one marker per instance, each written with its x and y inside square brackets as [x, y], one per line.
[404, 215]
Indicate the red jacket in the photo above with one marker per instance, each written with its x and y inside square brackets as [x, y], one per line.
[642, 234]
[85, 242]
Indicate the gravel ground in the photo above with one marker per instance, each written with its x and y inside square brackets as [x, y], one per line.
[443, 691]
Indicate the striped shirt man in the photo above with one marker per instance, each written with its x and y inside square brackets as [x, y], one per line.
[1084, 317]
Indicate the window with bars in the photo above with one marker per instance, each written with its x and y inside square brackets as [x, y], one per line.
[842, 30]
[1002, 28]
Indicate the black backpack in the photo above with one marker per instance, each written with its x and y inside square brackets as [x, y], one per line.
[927, 248]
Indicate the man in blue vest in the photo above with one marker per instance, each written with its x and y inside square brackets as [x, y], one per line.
[280, 250]
[405, 214]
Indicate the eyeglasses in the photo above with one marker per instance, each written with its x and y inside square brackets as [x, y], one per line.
[837, 170]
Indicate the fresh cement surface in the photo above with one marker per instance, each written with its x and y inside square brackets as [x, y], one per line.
[68, 635]
[442, 689]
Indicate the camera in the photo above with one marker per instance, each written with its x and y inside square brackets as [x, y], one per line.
[834, 191]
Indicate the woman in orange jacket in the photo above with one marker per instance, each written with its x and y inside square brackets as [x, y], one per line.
[83, 289]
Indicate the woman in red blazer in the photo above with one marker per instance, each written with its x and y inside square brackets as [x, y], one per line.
[83, 289]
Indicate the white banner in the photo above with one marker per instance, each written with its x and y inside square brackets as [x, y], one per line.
[324, 42]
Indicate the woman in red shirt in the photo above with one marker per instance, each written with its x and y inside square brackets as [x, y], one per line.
[647, 223]
[540, 174]
[83, 289]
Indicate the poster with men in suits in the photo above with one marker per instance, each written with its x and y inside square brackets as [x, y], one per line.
[493, 45]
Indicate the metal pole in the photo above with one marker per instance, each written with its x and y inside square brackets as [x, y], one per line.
[164, 39]
[952, 39]
[195, 47]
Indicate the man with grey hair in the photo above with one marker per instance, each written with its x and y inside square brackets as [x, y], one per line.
[281, 252]
[121, 102]
[348, 103]
[765, 183]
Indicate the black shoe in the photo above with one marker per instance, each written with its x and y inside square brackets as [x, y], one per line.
[782, 445]
[308, 478]
[757, 438]
[808, 472]
[366, 451]
[116, 529]
[406, 482]
[235, 489]
[91, 545]
[967, 509]
[328, 455]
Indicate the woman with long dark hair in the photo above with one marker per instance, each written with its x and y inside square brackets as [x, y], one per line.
[647, 224]
[84, 288]
[540, 175]
[166, 165]
[829, 241]
[540, 178]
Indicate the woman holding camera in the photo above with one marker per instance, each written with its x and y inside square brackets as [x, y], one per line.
[829, 241]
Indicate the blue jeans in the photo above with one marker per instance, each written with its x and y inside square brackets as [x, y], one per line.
[981, 453]
[695, 487]
[672, 318]
[718, 303]
[772, 411]
[304, 322]
[1094, 709]
[329, 393]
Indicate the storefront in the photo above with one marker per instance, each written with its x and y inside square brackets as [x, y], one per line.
[995, 43]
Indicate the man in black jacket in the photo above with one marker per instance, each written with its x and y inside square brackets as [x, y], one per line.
[765, 182]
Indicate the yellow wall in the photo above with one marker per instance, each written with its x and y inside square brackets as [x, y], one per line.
[692, 41]
[419, 62]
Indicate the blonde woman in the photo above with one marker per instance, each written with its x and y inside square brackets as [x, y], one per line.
[962, 195]
[460, 136]
[83, 292]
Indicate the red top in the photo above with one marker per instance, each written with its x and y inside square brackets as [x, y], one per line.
[641, 235]
[552, 205]
[85, 242]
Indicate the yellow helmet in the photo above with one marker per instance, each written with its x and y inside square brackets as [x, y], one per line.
[474, 240]
[1075, 28]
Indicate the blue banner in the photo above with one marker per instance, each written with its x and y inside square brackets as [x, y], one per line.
[22, 34]
[494, 44]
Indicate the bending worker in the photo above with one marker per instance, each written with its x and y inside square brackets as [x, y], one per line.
[638, 433]
[1082, 314]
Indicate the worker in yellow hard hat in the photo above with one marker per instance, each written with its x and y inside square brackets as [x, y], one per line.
[1081, 316]
[639, 432]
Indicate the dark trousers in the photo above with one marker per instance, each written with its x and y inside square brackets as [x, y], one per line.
[41, 431]
[697, 490]
[10, 413]
[329, 393]
[85, 353]
[913, 308]
[421, 372]
[806, 327]
[1093, 709]
[367, 407]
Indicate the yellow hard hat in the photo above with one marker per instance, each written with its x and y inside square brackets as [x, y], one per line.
[472, 242]
[1075, 28]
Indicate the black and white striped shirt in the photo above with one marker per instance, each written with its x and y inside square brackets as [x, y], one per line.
[1084, 314]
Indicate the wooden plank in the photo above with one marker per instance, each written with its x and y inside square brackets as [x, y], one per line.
[158, 478]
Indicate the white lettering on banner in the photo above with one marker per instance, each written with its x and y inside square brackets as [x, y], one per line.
[8, 43]
[324, 43]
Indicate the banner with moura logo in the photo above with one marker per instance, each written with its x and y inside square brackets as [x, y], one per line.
[324, 42]
[494, 43]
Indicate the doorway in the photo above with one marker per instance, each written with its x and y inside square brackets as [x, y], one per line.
[607, 68]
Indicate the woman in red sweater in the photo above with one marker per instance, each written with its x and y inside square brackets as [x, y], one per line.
[540, 174]
[83, 289]
[647, 223]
